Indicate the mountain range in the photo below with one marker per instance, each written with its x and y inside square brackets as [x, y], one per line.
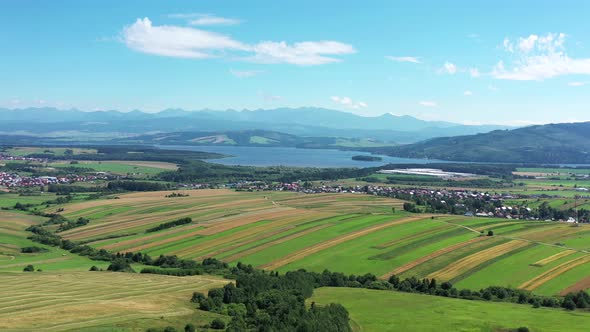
[563, 143]
[307, 121]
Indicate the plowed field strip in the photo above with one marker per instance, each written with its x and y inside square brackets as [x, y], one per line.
[578, 286]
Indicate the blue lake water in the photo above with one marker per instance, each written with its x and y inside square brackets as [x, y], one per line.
[277, 156]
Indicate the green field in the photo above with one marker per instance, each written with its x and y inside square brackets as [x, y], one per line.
[117, 167]
[23, 151]
[372, 310]
[348, 233]
[13, 237]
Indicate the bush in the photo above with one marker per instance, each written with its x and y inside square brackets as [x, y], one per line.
[189, 328]
[94, 268]
[120, 265]
[490, 233]
[29, 268]
[217, 324]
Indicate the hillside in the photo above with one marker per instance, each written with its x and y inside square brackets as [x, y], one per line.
[252, 138]
[309, 121]
[566, 143]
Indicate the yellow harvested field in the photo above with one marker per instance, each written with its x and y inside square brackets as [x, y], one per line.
[70, 301]
[467, 263]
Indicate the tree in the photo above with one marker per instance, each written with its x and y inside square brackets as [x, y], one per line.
[169, 329]
[490, 233]
[217, 324]
[29, 268]
[569, 305]
[393, 210]
[410, 207]
[94, 268]
[189, 328]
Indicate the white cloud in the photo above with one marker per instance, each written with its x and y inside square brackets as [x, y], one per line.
[245, 73]
[578, 83]
[205, 19]
[213, 20]
[493, 88]
[411, 59]
[474, 72]
[303, 53]
[449, 68]
[176, 41]
[468, 93]
[428, 103]
[348, 102]
[539, 58]
[186, 42]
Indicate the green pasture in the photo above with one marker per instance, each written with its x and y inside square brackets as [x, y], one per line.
[383, 311]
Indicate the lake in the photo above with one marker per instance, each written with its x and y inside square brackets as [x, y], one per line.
[280, 156]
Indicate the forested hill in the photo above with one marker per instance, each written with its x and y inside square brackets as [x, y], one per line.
[566, 143]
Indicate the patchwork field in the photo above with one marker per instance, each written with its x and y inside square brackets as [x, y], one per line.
[99, 301]
[13, 238]
[416, 312]
[341, 232]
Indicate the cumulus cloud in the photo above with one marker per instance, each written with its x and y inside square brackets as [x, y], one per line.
[428, 103]
[449, 68]
[176, 41]
[539, 58]
[411, 59]
[474, 72]
[468, 93]
[348, 102]
[189, 42]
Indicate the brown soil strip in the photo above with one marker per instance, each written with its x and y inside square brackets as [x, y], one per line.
[578, 286]
[433, 255]
[335, 241]
[554, 273]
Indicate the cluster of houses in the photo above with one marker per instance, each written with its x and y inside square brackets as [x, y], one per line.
[14, 180]
[5, 157]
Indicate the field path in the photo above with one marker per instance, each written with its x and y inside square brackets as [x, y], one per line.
[335, 241]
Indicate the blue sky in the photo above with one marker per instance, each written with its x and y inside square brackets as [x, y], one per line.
[509, 62]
